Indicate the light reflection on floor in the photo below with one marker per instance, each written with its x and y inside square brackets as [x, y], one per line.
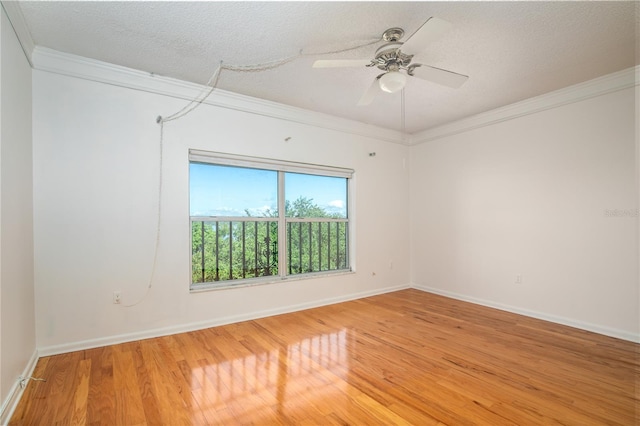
[283, 382]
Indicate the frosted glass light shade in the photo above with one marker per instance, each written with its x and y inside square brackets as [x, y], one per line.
[392, 81]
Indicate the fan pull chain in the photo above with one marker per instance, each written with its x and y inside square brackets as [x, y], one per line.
[402, 113]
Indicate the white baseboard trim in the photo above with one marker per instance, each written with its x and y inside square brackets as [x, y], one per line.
[182, 328]
[15, 393]
[607, 331]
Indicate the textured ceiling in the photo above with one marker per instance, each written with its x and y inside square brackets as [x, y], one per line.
[511, 50]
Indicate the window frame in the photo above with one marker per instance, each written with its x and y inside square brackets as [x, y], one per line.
[281, 167]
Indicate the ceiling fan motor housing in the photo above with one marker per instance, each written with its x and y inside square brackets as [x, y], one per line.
[389, 56]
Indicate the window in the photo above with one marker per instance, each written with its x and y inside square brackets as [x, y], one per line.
[258, 220]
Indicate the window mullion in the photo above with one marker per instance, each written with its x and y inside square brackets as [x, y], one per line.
[282, 230]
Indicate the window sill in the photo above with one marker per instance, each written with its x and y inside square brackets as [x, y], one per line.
[226, 285]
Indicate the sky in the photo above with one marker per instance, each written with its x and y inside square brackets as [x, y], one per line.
[228, 191]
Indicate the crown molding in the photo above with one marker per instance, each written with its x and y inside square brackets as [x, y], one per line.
[620, 80]
[50, 60]
[14, 13]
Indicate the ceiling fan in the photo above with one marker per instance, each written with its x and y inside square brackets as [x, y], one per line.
[394, 56]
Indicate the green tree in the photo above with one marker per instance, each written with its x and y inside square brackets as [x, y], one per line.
[304, 207]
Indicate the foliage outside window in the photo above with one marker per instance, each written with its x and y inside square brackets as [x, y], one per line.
[238, 234]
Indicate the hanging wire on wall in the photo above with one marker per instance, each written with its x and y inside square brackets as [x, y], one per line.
[192, 105]
[212, 83]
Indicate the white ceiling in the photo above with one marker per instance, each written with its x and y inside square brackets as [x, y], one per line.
[511, 50]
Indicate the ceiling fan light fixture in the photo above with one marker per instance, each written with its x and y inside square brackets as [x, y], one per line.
[392, 82]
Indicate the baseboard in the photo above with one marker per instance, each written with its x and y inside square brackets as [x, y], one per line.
[182, 328]
[607, 331]
[15, 393]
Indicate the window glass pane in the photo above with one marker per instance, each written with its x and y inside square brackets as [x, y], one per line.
[315, 196]
[232, 250]
[235, 224]
[232, 191]
[317, 246]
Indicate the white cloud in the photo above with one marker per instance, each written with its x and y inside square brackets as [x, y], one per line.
[337, 204]
[259, 211]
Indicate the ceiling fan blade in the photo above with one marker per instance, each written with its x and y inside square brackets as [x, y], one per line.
[341, 63]
[370, 94]
[430, 31]
[437, 75]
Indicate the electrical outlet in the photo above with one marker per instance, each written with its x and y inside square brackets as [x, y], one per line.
[519, 279]
[116, 297]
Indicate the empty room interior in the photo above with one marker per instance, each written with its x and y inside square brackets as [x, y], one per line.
[319, 213]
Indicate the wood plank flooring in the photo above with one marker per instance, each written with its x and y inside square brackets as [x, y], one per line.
[407, 357]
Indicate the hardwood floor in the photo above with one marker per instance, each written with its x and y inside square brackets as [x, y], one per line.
[407, 357]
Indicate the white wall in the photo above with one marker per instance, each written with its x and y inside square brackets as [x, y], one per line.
[527, 196]
[530, 196]
[95, 188]
[17, 330]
